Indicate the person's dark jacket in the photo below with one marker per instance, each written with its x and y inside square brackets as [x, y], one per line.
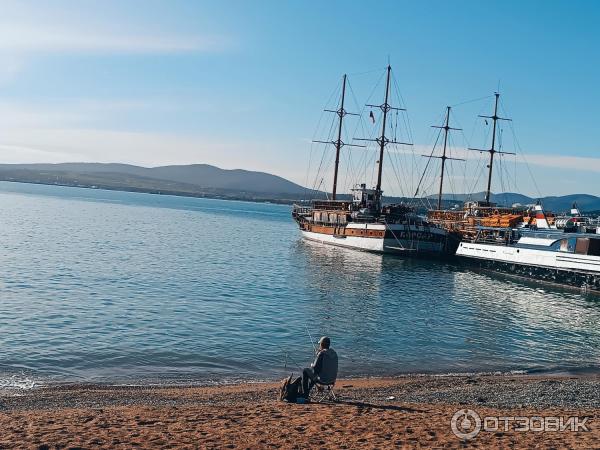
[326, 366]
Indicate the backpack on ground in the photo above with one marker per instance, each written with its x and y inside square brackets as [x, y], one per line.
[290, 389]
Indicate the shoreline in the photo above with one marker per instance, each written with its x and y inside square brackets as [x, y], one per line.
[133, 190]
[374, 412]
[452, 386]
[196, 381]
[21, 385]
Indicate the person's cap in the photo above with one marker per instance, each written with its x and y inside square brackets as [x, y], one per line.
[325, 340]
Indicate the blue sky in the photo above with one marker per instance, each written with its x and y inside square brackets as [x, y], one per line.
[241, 84]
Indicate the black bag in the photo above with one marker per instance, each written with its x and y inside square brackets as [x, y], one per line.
[290, 390]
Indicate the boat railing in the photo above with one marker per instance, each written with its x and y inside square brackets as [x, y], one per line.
[332, 205]
[494, 235]
[302, 210]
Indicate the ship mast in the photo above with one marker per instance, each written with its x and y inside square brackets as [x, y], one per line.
[385, 108]
[492, 151]
[383, 140]
[341, 112]
[446, 127]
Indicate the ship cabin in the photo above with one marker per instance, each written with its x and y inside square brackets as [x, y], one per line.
[578, 245]
[363, 198]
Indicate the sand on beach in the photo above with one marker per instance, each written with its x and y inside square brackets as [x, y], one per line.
[408, 412]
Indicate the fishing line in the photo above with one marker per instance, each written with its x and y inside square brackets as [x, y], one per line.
[292, 360]
[312, 342]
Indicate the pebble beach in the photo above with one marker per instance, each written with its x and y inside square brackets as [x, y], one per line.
[404, 412]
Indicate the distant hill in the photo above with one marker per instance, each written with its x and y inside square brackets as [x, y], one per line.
[196, 180]
[203, 180]
[202, 175]
[585, 202]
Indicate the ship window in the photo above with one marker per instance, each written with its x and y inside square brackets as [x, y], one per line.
[568, 245]
[594, 247]
[583, 245]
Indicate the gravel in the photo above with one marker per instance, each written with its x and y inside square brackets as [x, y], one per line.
[484, 391]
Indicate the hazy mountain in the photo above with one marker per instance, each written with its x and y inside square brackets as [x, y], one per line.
[585, 202]
[203, 180]
[200, 175]
[504, 198]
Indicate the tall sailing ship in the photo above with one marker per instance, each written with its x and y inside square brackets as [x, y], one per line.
[466, 221]
[365, 222]
[522, 241]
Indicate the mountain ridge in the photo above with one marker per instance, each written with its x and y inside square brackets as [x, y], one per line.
[200, 175]
[586, 202]
[204, 180]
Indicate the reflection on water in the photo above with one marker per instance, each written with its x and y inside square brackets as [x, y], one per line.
[331, 269]
[101, 285]
[426, 316]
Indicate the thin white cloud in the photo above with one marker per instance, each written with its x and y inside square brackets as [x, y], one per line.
[10, 67]
[560, 162]
[65, 113]
[141, 148]
[29, 38]
[55, 145]
[565, 162]
[18, 154]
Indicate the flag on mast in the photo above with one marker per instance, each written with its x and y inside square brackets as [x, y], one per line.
[372, 116]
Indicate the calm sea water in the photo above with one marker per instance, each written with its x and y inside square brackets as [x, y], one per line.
[122, 287]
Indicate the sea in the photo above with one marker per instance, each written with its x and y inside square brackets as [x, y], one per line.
[128, 288]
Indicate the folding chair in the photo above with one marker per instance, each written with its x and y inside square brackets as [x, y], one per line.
[324, 392]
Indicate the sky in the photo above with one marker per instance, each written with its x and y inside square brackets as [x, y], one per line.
[241, 84]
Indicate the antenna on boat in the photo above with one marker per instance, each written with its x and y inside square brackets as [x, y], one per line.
[383, 141]
[339, 143]
[492, 150]
[446, 127]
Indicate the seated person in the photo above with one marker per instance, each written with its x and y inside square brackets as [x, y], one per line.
[324, 369]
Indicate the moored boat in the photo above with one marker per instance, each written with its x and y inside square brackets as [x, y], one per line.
[365, 222]
[361, 224]
[521, 240]
[567, 254]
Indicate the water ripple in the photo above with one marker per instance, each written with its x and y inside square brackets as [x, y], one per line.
[112, 286]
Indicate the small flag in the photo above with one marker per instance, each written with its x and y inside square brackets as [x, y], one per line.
[372, 116]
[486, 122]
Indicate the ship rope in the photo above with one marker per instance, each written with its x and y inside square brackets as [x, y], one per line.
[355, 171]
[393, 234]
[368, 155]
[521, 153]
[482, 162]
[439, 133]
[313, 146]
[406, 126]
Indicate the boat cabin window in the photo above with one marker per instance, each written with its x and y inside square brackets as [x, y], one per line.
[587, 246]
[594, 248]
[567, 245]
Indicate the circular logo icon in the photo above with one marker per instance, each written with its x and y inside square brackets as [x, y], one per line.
[466, 424]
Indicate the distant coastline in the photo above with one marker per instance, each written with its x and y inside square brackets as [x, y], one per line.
[206, 181]
[164, 192]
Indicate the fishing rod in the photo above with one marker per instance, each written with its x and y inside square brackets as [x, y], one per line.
[290, 358]
[312, 342]
[286, 354]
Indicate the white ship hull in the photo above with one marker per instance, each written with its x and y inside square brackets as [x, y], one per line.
[393, 242]
[543, 265]
[530, 257]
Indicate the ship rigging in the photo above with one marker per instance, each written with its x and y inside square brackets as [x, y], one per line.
[365, 222]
